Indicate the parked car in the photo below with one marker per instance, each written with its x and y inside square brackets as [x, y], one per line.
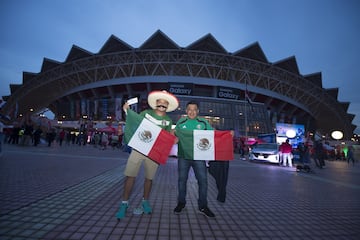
[265, 152]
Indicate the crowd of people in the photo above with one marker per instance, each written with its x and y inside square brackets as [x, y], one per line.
[316, 153]
[30, 134]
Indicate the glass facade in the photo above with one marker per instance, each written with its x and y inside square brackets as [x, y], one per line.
[229, 115]
[223, 114]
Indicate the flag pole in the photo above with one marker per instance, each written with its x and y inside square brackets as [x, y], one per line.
[245, 108]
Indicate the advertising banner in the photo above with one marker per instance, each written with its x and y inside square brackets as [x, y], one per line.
[181, 88]
[228, 93]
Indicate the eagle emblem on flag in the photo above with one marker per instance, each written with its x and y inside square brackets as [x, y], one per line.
[145, 136]
[203, 144]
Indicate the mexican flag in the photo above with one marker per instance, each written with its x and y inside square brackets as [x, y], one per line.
[205, 144]
[147, 138]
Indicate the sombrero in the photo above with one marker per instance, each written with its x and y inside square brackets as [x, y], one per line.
[170, 98]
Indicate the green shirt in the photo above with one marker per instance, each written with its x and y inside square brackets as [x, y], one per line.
[188, 124]
[198, 123]
[164, 122]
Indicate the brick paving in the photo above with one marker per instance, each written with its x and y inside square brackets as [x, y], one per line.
[73, 192]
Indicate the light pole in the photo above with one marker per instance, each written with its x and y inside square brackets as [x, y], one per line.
[337, 135]
[290, 133]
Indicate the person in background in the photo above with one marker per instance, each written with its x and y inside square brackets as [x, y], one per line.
[286, 152]
[281, 159]
[350, 155]
[104, 140]
[192, 122]
[319, 154]
[50, 136]
[28, 132]
[304, 153]
[242, 147]
[61, 136]
[97, 137]
[160, 102]
[15, 134]
[37, 136]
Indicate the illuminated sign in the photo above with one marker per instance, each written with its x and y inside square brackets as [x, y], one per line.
[294, 132]
[228, 93]
[181, 88]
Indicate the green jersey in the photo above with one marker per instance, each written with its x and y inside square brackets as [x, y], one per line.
[164, 122]
[186, 123]
[198, 123]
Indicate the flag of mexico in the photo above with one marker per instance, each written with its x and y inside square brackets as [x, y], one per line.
[147, 138]
[206, 144]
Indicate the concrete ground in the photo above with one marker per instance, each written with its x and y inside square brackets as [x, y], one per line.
[73, 192]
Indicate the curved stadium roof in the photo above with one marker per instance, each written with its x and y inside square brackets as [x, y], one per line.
[279, 85]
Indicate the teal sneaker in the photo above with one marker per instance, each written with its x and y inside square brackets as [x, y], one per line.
[122, 211]
[146, 207]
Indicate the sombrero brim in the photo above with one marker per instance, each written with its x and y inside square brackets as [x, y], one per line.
[170, 98]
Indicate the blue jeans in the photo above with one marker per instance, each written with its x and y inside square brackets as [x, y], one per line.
[200, 171]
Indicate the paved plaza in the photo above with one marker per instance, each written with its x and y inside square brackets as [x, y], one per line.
[73, 192]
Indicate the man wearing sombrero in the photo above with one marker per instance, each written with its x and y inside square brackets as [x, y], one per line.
[160, 102]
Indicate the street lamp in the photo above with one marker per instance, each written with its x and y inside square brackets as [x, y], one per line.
[337, 135]
[290, 133]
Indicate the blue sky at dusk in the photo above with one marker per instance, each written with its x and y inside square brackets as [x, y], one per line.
[323, 35]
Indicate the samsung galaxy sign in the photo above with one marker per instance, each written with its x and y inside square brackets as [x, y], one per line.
[181, 88]
[228, 93]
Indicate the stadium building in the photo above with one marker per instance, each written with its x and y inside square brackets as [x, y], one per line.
[240, 90]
